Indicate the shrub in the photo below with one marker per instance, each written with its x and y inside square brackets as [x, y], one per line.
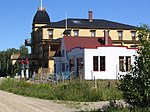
[136, 87]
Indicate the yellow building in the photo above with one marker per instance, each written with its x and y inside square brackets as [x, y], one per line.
[46, 35]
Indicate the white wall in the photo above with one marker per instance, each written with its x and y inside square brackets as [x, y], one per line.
[63, 59]
[112, 61]
[74, 54]
[57, 64]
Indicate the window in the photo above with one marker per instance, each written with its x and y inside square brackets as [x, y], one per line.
[63, 67]
[80, 61]
[124, 63]
[95, 63]
[40, 36]
[67, 33]
[133, 35]
[93, 34]
[121, 63]
[50, 34]
[120, 35]
[72, 64]
[128, 63]
[76, 32]
[102, 63]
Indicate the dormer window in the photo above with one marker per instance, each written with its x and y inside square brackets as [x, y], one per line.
[133, 35]
[93, 33]
[67, 33]
[50, 34]
[120, 35]
[76, 32]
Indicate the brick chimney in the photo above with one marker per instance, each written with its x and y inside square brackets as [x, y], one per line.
[90, 16]
[106, 35]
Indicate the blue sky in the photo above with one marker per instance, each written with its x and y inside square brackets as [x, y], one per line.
[16, 15]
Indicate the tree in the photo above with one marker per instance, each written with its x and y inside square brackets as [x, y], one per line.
[23, 50]
[5, 61]
[136, 87]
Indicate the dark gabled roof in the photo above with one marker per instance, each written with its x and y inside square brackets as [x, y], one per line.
[84, 23]
[41, 17]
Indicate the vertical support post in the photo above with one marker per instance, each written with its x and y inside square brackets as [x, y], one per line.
[116, 72]
[70, 76]
[22, 73]
[62, 77]
[27, 73]
[91, 75]
[22, 68]
[95, 85]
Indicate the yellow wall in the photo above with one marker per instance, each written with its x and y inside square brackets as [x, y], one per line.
[127, 35]
[84, 32]
[57, 33]
[113, 34]
[51, 66]
[45, 33]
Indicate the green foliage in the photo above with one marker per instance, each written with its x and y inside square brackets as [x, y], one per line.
[23, 50]
[136, 87]
[71, 91]
[115, 109]
[5, 59]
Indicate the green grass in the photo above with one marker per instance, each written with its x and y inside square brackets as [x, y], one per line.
[122, 110]
[70, 91]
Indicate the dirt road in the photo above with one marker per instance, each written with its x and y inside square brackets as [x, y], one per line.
[10, 102]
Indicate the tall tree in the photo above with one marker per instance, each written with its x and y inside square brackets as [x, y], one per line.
[23, 50]
[5, 61]
[136, 87]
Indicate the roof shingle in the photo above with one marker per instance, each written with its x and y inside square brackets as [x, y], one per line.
[84, 23]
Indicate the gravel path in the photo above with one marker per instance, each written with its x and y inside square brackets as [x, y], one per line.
[10, 102]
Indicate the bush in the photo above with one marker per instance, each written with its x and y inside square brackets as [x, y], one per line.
[136, 87]
[127, 109]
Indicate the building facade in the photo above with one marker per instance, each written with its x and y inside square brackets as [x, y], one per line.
[91, 58]
[46, 35]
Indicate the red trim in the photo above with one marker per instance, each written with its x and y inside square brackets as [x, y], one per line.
[95, 47]
[92, 47]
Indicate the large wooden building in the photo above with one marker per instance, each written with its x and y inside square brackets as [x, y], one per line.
[46, 35]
